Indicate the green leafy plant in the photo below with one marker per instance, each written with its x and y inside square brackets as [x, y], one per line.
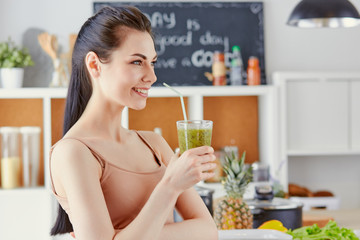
[330, 232]
[12, 56]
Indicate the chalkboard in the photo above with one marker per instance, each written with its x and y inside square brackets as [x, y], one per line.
[188, 33]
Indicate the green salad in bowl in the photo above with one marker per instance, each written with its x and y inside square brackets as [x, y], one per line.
[330, 232]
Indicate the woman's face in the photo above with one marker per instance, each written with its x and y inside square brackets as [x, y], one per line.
[129, 75]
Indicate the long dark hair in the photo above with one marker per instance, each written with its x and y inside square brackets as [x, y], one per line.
[100, 34]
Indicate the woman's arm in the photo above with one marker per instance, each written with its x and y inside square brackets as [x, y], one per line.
[197, 221]
[76, 175]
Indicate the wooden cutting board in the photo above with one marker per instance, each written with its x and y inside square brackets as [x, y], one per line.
[321, 221]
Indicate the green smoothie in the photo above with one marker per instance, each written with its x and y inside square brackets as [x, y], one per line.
[191, 138]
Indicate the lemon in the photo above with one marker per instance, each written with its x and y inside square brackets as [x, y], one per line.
[274, 225]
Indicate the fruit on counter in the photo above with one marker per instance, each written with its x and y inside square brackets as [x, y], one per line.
[273, 225]
[330, 232]
[231, 211]
[296, 190]
[323, 194]
[299, 191]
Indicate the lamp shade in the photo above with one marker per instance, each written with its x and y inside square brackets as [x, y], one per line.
[324, 13]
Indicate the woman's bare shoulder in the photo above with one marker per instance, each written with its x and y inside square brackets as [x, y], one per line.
[70, 152]
[68, 146]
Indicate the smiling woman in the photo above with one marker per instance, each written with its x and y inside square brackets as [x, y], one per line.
[110, 181]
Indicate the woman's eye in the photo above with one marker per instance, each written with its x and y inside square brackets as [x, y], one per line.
[153, 63]
[137, 62]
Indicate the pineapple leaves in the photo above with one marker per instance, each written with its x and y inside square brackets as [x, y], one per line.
[235, 166]
[228, 171]
[242, 159]
[237, 175]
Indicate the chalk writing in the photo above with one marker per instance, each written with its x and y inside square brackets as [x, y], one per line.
[166, 63]
[193, 24]
[210, 39]
[202, 58]
[173, 40]
[161, 20]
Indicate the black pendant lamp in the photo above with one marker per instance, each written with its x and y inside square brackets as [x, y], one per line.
[324, 13]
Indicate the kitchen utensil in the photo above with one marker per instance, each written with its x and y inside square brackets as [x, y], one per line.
[252, 234]
[49, 44]
[264, 208]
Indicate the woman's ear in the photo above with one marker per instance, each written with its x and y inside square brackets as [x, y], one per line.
[93, 64]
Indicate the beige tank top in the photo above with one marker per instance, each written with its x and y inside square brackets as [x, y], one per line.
[125, 191]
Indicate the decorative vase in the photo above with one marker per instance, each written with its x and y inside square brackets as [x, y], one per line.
[12, 77]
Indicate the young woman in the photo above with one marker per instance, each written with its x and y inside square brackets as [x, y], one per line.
[111, 182]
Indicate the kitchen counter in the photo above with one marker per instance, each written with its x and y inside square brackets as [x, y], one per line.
[349, 218]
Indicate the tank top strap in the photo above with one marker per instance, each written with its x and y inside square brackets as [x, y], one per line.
[142, 137]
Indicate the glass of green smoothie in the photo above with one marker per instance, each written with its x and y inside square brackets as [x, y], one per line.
[194, 133]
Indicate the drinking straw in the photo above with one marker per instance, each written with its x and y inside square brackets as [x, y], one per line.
[181, 99]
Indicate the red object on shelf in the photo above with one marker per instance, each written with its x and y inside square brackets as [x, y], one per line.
[253, 71]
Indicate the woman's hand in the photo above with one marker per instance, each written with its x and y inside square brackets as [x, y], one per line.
[191, 167]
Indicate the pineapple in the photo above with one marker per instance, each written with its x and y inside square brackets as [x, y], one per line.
[231, 212]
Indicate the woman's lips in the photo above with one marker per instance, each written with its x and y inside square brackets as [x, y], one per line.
[141, 91]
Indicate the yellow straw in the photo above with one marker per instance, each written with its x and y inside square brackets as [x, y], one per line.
[181, 99]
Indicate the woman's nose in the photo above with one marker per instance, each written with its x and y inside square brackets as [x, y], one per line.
[150, 75]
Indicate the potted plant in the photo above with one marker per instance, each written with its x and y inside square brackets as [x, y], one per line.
[13, 59]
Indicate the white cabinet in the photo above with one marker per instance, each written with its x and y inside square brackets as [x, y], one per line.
[318, 109]
[355, 116]
[39, 203]
[320, 112]
[25, 214]
[319, 129]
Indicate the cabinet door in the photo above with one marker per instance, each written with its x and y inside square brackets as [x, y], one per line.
[317, 115]
[355, 115]
[25, 214]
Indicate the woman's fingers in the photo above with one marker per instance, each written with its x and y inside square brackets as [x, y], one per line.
[207, 158]
[192, 166]
[200, 155]
[208, 166]
[207, 175]
[201, 150]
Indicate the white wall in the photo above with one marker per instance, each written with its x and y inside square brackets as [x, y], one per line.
[287, 48]
[59, 17]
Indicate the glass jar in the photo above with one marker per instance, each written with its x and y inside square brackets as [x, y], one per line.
[10, 158]
[30, 155]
